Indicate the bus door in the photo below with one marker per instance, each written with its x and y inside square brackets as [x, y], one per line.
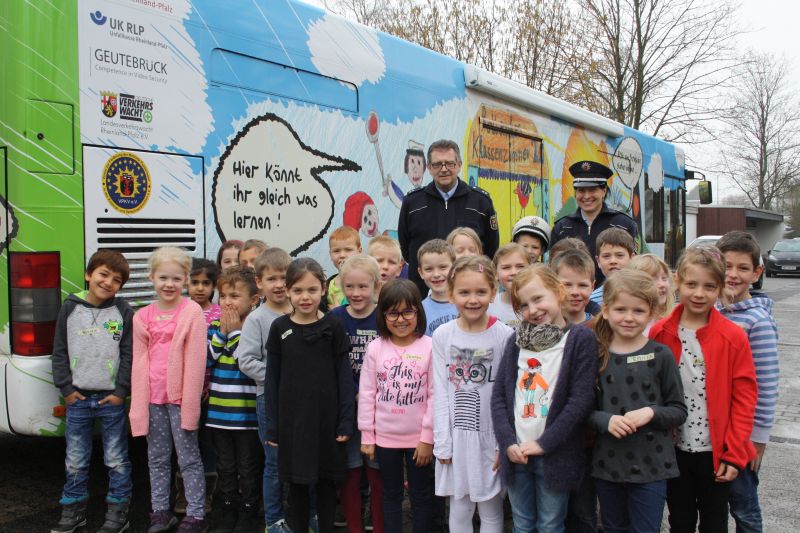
[510, 166]
[137, 201]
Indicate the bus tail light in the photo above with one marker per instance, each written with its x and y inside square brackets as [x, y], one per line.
[35, 299]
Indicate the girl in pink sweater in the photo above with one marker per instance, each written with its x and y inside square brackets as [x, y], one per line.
[395, 405]
[169, 359]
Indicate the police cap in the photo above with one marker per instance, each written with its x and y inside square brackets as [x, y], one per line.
[589, 174]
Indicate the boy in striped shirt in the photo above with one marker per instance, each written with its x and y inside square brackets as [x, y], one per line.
[753, 313]
[232, 406]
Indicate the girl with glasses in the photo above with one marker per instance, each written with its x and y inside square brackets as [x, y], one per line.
[395, 408]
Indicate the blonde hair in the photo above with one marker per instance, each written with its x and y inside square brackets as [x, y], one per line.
[508, 249]
[708, 257]
[545, 274]
[384, 240]
[170, 254]
[466, 232]
[653, 265]
[626, 281]
[473, 263]
[364, 263]
[258, 244]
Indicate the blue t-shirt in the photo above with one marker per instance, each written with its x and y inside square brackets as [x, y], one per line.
[361, 331]
[437, 313]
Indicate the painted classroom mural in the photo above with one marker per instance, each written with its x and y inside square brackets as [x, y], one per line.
[193, 122]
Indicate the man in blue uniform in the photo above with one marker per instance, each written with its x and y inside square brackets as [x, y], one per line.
[590, 181]
[446, 203]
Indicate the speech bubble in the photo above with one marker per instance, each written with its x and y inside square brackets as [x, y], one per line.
[267, 186]
[655, 173]
[628, 161]
[8, 224]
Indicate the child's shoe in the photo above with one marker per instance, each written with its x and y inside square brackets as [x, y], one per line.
[230, 515]
[249, 520]
[279, 527]
[161, 521]
[190, 524]
[73, 516]
[116, 518]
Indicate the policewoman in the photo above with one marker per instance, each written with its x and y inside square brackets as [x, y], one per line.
[590, 181]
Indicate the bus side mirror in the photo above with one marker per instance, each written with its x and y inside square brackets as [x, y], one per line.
[704, 190]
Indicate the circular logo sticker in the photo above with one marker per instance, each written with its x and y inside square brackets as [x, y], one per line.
[126, 183]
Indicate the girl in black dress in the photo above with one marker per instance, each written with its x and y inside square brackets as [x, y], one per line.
[310, 397]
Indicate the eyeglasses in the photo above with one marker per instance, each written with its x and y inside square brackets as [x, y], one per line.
[394, 316]
[439, 164]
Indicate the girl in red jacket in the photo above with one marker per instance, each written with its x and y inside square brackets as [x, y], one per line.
[719, 383]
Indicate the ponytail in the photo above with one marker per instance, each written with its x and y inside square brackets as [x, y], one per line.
[604, 334]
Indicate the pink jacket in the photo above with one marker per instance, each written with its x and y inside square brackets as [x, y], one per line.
[186, 368]
[395, 394]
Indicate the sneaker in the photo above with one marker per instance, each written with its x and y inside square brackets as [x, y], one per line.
[279, 527]
[249, 520]
[73, 516]
[116, 518]
[339, 520]
[313, 524]
[161, 521]
[366, 519]
[190, 524]
[230, 515]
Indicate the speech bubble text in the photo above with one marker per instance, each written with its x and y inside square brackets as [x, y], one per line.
[267, 186]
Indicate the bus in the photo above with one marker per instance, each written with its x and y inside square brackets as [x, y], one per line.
[133, 124]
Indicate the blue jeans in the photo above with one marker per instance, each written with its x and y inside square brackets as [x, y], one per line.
[534, 507]
[272, 487]
[743, 500]
[420, 489]
[81, 417]
[631, 507]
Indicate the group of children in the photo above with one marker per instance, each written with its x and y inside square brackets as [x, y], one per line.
[510, 376]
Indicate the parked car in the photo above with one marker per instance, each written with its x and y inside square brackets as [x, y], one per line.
[711, 240]
[784, 258]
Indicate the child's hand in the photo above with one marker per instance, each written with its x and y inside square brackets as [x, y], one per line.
[73, 397]
[531, 448]
[726, 473]
[342, 438]
[640, 417]
[272, 443]
[496, 464]
[112, 399]
[620, 427]
[233, 319]
[369, 451]
[755, 464]
[223, 323]
[443, 461]
[423, 455]
[515, 455]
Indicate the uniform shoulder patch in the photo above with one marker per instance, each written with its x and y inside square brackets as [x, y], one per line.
[493, 222]
[478, 189]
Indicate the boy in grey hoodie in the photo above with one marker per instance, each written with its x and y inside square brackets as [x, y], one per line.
[92, 353]
[753, 313]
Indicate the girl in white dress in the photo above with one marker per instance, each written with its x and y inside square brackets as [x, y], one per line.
[465, 354]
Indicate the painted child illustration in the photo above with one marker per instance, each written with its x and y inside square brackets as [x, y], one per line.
[360, 213]
[531, 379]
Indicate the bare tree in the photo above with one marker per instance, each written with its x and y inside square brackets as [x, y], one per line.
[762, 140]
[658, 64]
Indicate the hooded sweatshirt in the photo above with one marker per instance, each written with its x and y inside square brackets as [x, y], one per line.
[92, 347]
[754, 316]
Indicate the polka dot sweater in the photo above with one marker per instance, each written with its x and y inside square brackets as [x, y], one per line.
[645, 378]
